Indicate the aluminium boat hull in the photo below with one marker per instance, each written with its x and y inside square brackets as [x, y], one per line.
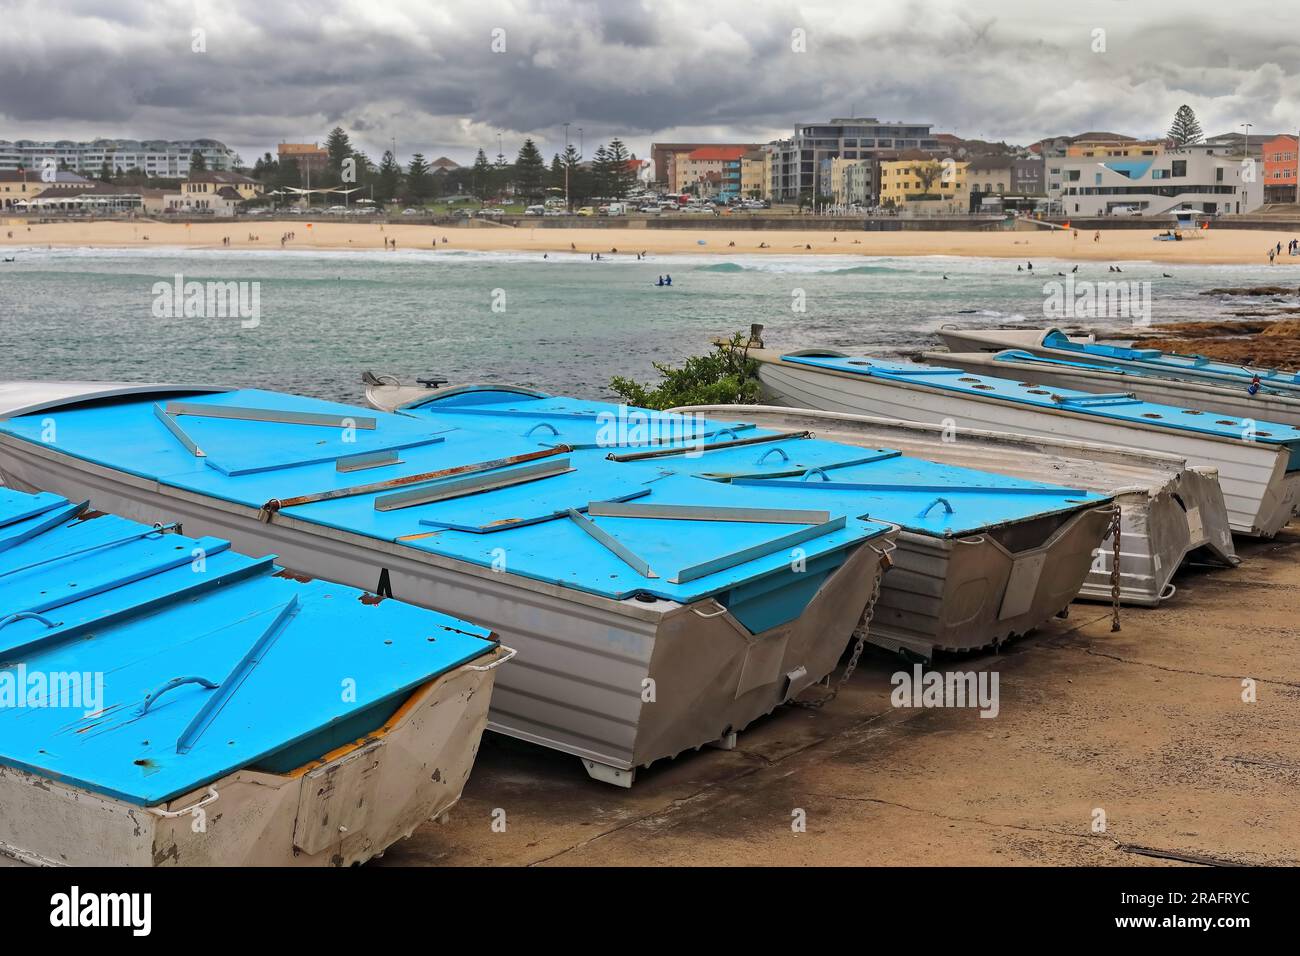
[1169, 510]
[1260, 494]
[618, 683]
[1236, 401]
[342, 809]
[943, 593]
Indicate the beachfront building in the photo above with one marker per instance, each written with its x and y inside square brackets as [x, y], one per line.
[851, 181]
[1027, 176]
[754, 174]
[310, 157]
[89, 198]
[916, 183]
[797, 162]
[1192, 177]
[215, 193]
[663, 157]
[712, 171]
[1279, 155]
[156, 158]
[443, 165]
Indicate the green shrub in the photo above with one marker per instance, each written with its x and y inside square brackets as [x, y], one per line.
[725, 376]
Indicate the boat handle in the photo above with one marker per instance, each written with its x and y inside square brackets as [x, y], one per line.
[26, 616]
[718, 434]
[152, 697]
[718, 613]
[815, 471]
[510, 653]
[947, 507]
[211, 797]
[554, 431]
[778, 450]
[1169, 591]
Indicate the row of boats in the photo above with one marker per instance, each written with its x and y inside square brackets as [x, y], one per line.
[652, 582]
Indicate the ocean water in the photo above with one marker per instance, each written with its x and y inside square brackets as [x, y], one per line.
[563, 324]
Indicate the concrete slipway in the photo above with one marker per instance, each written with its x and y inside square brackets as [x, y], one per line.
[1147, 725]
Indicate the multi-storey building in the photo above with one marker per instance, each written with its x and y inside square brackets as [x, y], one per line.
[662, 155]
[918, 181]
[1280, 179]
[708, 171]
[1192, 177]
[158, 158]
[310, 157]
[797, 162]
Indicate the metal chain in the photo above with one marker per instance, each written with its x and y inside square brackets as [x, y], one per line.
[860, 634]
[1114, 570]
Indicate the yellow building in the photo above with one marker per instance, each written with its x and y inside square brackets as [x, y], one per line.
[917, 179]
[23, 185]
[755, 178]
[204, 184]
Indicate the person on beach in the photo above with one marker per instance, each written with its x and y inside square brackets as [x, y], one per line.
[1096, 236]
[1271, 254]
[668, 280]
[661, 281]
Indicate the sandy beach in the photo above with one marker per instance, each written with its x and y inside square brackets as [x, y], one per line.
[1213, 246]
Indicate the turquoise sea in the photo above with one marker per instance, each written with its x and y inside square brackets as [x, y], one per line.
[563, 323]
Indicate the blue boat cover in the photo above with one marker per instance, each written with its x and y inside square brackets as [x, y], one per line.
[1119, 407]
[881, 483]
[1193, 366]
[98, 614]
[522, 527]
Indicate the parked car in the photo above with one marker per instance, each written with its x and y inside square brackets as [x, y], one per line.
[586, 211]
[535, 211]
[411, 211]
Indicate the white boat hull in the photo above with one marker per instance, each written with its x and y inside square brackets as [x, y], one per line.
[1168, 510]
[343, 809]
[1260, 495]
[579, 683]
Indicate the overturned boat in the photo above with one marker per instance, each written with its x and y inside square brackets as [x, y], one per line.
[638, 637]
[981, 557]
[1153, 363]
[165, 701]
[1258, 462]
[1241, 400]
[1170, 511]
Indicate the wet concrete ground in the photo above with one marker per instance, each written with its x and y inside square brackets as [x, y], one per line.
[1147, 726]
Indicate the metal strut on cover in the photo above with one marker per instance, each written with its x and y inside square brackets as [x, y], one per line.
[275, 415]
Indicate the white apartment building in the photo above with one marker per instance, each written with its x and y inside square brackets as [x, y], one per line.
[163, 159]
[1153, 186]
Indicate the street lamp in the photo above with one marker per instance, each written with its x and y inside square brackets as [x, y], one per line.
[1246, 138]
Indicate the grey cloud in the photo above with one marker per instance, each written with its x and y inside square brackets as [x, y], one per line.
[425, 73]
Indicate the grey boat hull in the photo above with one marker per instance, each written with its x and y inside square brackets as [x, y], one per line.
[342, 810]
[619, 684]
[1260, 494]
[1236, 401]
[1169, 510]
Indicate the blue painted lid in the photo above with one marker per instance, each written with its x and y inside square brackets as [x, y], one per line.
[112, 611]
[1194, 366]
[1120, 406]
[258, 461]
[877, 482]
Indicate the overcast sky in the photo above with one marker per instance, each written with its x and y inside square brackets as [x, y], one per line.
[425, 72]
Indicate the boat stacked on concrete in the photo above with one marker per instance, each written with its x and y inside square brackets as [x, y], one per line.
[1258, 461]
[165, 700]
[980, 557]
[1052, 359]
[641, 633]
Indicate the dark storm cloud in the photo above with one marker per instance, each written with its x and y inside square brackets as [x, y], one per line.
[425, 73]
